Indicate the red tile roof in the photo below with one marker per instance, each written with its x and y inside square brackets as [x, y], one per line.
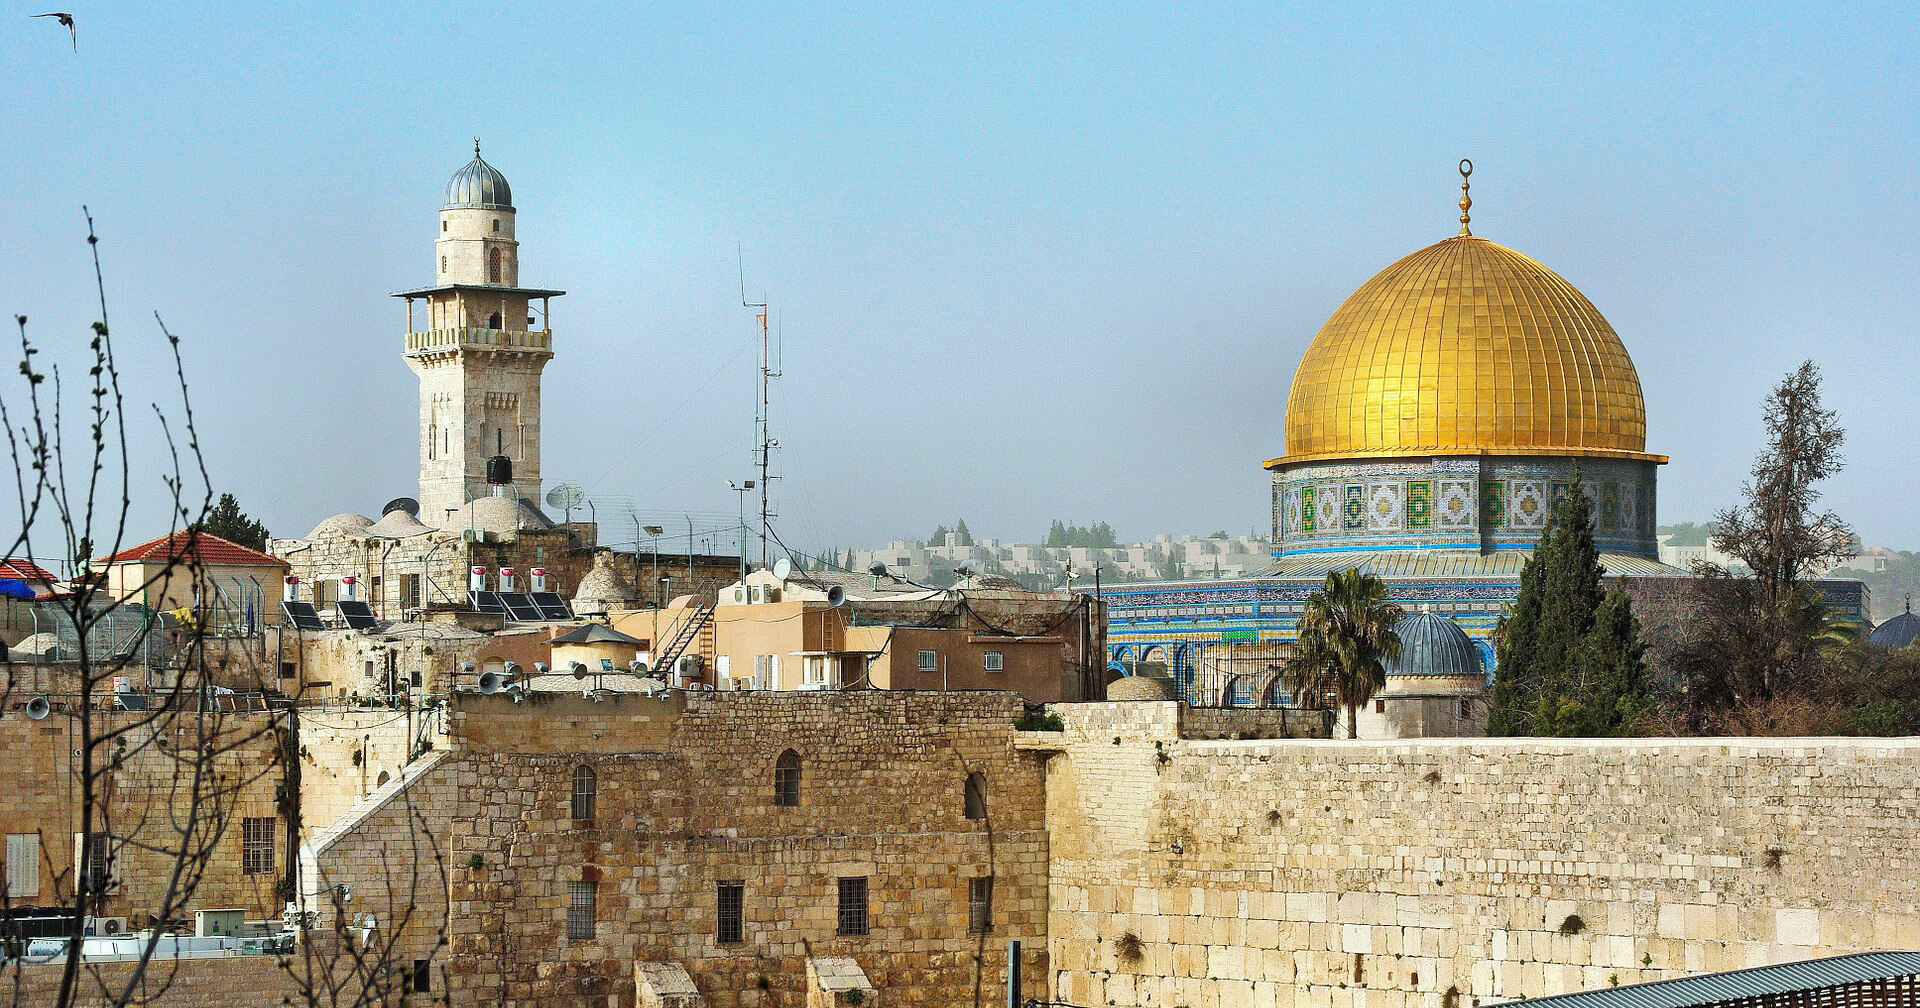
[204, 547]
[21, 569]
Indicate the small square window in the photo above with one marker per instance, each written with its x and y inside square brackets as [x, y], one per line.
[853, 906]
[995, 662]
[929, 661]
[1379, 706]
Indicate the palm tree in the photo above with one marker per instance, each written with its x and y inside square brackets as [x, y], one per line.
[1346, 638]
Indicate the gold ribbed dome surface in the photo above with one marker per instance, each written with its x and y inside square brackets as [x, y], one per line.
[1465, 347]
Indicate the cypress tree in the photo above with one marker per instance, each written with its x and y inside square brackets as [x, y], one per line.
[1541, 644]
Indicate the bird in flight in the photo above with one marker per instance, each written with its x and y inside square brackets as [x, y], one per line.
[66, 21]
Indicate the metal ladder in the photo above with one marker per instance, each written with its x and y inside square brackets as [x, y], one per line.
[683, 635]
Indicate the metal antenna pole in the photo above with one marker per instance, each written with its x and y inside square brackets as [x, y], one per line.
[764, 442]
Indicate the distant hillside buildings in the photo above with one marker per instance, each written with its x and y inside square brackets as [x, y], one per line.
[1165, 557]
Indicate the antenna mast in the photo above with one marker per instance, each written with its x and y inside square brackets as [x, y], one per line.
[763, 441]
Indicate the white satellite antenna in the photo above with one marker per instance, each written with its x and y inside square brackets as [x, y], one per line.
[781, 568]
[566, 497]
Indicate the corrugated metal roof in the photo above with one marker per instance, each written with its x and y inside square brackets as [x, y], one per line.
[1712, 988]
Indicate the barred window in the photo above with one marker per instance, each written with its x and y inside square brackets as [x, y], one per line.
[974, 800]
[584, 789]
[929, 661]
[853, 906]
[786, 780]
[732, 912]
[995, 661]
[980, 905]
[256, 845]
[580, 910]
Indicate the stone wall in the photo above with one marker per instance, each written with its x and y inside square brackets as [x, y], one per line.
[1459, 872]
[685, 801]
[239, 982]
[148, 802]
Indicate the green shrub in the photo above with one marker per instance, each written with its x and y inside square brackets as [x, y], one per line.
[1039, 720]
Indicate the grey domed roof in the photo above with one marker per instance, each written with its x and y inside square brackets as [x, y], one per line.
[1897, 632]
[345, 521]
[478, 185]
[1433, 645]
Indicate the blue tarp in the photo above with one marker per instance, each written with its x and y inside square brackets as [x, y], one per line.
[10, 588]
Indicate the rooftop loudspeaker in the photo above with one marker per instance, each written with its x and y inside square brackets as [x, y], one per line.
[836, 596]
[38, 708]
[579, 670]
[492, 682]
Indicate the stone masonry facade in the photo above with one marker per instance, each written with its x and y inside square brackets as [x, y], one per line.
[1443, 873]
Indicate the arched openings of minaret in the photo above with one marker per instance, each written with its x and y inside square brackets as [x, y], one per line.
[433, 441]
[493, 321]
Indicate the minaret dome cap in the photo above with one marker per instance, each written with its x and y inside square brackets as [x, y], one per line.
[478, 186]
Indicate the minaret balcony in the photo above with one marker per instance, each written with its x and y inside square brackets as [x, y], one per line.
[432, 340]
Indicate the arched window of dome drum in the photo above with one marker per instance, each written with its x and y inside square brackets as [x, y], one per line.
[975, 797]
[585, 791]
[786, 780]
[493, 267]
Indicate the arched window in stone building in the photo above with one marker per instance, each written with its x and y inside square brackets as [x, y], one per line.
[493, 321]
[786, 780]
[493, 265]
[975, 797]
[585, 791]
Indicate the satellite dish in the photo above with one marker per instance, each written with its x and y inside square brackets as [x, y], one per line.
[38, 708]
[566, 497]
[407, 504]
[836, 596]
[781, 568]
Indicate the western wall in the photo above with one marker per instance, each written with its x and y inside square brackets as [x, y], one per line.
[1449, 873]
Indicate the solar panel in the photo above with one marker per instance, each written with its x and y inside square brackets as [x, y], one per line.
[551, 605]
[302, 615]
[487, 602]
[520, 606]
[358, 615]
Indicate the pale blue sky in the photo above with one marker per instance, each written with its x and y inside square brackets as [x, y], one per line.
[1030, 262]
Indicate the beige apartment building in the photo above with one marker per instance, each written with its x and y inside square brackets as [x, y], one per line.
[825, 631]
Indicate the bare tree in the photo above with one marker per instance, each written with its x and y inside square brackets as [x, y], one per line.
[175, 737]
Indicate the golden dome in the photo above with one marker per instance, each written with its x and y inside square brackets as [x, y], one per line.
[1465, 348]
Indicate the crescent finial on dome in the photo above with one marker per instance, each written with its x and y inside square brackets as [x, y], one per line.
[1466, 201]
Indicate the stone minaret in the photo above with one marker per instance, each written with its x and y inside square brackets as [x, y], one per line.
[480, 353]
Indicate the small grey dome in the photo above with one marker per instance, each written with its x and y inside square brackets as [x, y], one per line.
[479, 185]
[1433, 645]
[1897, 632]
[345, 521]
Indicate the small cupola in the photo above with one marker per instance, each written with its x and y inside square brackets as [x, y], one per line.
[478, 186]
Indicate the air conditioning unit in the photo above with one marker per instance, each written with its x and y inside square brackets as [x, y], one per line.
[688, 666]
[106, 926]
